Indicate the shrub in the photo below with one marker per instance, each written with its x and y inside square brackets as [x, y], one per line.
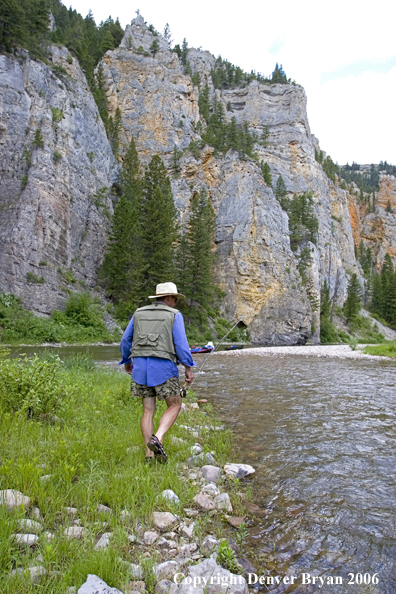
[33, 278]
[33, 386]
[226, 558]
[82, 309]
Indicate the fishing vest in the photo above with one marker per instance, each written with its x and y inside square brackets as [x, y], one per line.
[152, 332]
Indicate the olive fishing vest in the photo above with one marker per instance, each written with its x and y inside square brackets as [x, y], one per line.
[152, 332]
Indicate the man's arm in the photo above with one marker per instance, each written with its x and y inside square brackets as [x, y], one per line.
[126, 347]
[181, 347]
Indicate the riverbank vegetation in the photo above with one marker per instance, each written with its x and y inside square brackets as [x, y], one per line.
[81, 448]
[382, 350]
[81, 322]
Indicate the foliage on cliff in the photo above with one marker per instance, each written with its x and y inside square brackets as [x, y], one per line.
[24, 23]
[142, 250]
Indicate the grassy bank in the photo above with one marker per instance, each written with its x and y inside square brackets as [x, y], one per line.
[76, 425]
[382, 350]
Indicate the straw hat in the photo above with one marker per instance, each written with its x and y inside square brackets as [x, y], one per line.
[164, 289]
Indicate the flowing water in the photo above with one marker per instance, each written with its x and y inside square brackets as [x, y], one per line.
[321, 434]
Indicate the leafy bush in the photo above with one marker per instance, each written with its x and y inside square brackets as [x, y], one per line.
[32, 385]
[226, 558]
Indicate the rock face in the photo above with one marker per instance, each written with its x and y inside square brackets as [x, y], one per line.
[377, 229]
[56, 162]
[54, 206]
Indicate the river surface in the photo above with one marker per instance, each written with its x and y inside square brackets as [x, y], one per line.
[321, 434]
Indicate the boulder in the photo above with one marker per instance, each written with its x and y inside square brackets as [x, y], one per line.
[103, 542]
[196, 448]
[124, 515]
[94, 585]
[71, 512]
[210, 473]
[235, 521]
[163, 521]
[14, 499]
[238, 471]
[247, 566]
[209, 545]
[170, 495]
[204, 502]
[223, 502]
[137, 586]
[198, 459]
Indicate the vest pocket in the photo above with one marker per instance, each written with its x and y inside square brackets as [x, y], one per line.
[147, 340]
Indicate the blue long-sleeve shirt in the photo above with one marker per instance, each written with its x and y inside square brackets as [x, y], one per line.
[153, 371]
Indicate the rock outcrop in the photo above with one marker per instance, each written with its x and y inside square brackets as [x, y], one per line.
[55, 206]
[57, 169]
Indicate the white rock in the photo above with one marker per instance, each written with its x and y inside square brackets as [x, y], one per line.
[149, 537]
[27, 540]
[49, 536]
[170, 535]
[103, 509]
[103, 542]
[211, 490]
[30, 526]
[183, 406]
[165, 587]
[33, 573]
[192, 475]
[36, 513]
[177, 440]
[235, 584]
[210, 473]
[223, 502]
[14, 499]
[71, 512]
[164, 520]
[186, 549]
[94, 585]
[166, 570]
[209, 545]
[170, 495]
[136, 571]
[45, 478]
[194, 406]
[75, 532]
[196, 448]
[238, 471]
[187, 531]
[204, 502]
[125, 515]
[132, 538]
[191, 513]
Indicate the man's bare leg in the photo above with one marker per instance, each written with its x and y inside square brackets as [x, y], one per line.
[170, 415]
[147, 422]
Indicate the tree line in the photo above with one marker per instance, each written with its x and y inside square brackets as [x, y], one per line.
[148, 245]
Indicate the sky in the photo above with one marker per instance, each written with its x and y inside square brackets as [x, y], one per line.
[342, 52]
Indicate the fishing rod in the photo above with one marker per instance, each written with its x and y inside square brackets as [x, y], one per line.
[241, 324]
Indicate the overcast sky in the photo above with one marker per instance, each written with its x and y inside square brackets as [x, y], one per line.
[342, 52]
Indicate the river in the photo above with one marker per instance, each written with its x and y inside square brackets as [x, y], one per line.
[321, 434]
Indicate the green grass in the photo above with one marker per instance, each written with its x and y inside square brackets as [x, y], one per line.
[94, 454]
[383, 350]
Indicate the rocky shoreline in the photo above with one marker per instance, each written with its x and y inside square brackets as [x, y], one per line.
[168, 537]
[340, 351]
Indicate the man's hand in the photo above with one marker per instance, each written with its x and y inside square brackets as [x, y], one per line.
[128, 368]
[189, 374]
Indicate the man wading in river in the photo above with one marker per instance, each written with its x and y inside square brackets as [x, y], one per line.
[158, 341]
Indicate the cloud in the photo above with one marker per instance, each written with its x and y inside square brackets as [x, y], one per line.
[357, 68]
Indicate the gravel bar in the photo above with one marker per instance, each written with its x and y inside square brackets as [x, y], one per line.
[340, 351]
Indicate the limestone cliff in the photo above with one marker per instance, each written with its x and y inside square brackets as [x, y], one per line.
[377, 229]
[58, 213]
[256, 267]
[56, 172]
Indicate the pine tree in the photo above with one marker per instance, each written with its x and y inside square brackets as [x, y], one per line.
[281, 192]
[184, 52]
[123, 267]
[167, 35]
[100, 96]
[197, 258]
[108, 42]
[204, 103]
[155, 46]
[158, 224]
[114, 128]
[266, 173]
[353, 301]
